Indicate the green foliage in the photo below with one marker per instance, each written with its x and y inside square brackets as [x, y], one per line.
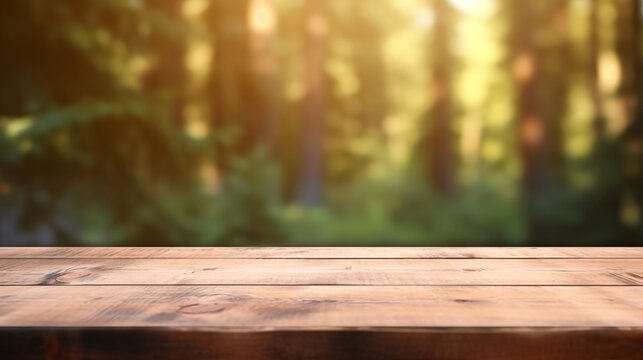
[80, 145]
[403, 212]
[108, 136]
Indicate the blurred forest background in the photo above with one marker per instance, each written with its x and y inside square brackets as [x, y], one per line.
[321, 122]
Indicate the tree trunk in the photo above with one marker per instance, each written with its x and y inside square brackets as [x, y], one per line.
[169, 72]
[531, 125]
[638, 43]
[626, 47]
[559, 58]
[228, 80]
[632, 211]
[594, 79]
[312, 165]
[440, 135]
[263, 23]
[530, 121]
[243, 76]
[370, 108]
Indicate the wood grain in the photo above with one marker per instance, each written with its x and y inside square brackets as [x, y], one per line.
[321, 303]
[372, 272]
[318, 253]
[322, 307]
[383, 344]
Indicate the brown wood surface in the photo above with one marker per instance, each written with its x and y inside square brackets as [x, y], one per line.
[373, 272]
[323, 307]
[321, 303]
[380, 344]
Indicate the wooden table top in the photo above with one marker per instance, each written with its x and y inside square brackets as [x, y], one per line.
[259, 303]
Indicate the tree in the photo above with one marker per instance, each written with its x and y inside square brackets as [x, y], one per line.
[312, 161]
[632, 139]
[368, 62]
[556, 59]
[530, 121]
[169, 70]
[70, 104]
[594, 79]
[241, 85]
[263, 26]
[439, 144]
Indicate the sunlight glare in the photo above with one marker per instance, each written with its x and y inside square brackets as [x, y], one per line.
[198, 60]
[261, 17]
[193, 8]
[475, 7]
[196, 122]
[424, 18]
[609, 71]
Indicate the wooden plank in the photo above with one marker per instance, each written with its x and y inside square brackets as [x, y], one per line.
[248, 308]
[311, 303]
[385, 344]
[330, 253]
[321, 271]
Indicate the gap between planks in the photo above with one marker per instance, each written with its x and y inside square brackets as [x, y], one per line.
[325, 253]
